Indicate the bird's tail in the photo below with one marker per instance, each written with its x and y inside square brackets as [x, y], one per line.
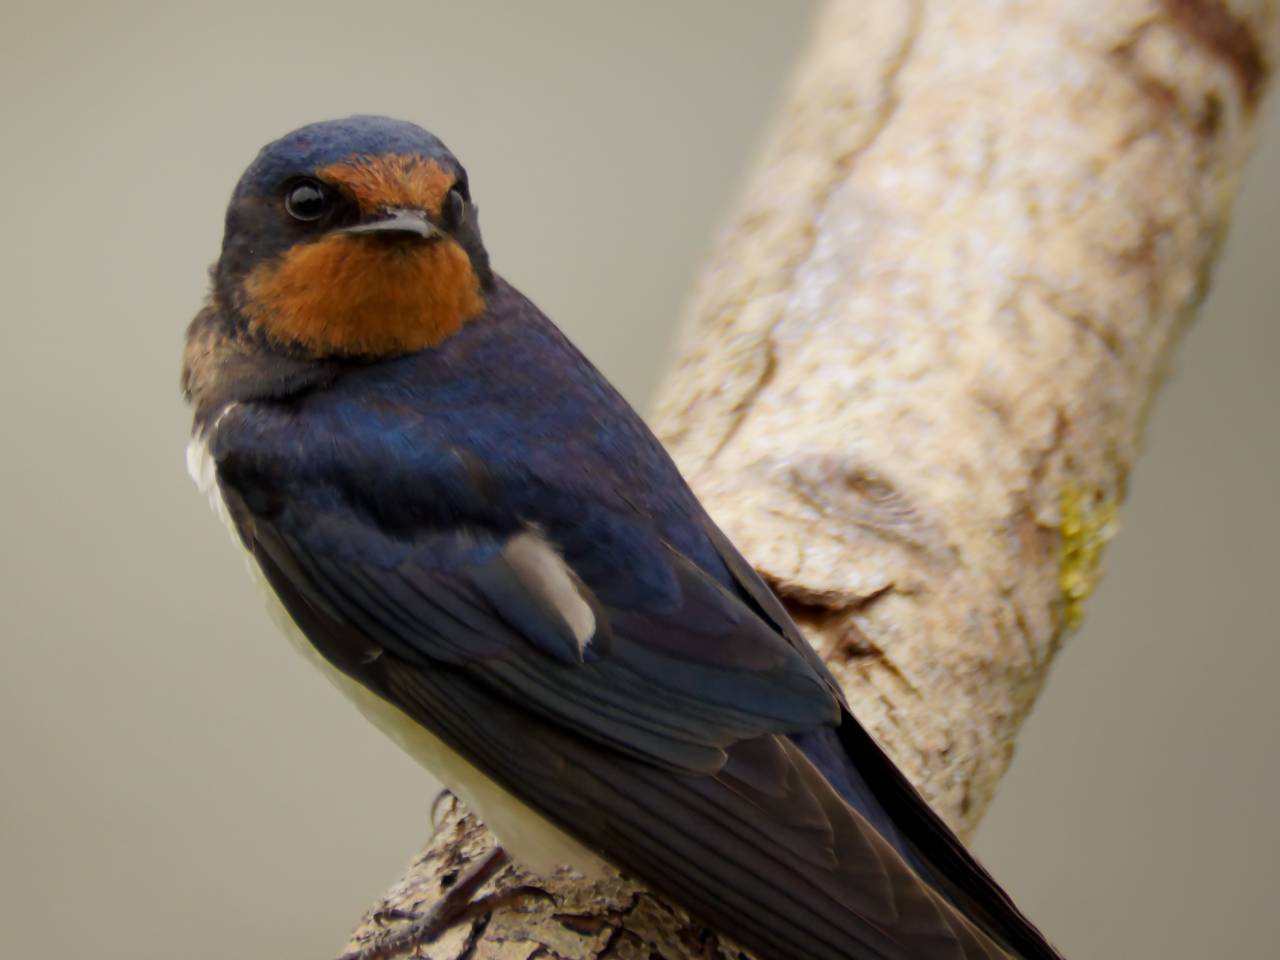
[930, 846]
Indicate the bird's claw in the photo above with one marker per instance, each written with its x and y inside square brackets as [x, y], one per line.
[454, 908]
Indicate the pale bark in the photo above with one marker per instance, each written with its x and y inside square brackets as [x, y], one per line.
[918, 366]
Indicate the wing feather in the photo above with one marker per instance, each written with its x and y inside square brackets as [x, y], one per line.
[676, 768]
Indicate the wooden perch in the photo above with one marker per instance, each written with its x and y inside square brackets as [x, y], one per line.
[917, 371]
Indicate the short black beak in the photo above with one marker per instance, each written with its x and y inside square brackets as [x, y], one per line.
[399, 220]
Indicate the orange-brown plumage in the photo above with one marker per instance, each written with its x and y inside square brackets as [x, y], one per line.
[391, 180]
[356, 296]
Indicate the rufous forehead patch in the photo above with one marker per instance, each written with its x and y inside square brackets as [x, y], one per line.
[392, 180]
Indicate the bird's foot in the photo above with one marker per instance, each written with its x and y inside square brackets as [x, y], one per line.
[457, 906]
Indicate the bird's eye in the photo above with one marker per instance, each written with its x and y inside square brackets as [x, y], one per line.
[454, 207]
[306, 200]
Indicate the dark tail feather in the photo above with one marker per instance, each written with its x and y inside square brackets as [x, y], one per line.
[930, 843]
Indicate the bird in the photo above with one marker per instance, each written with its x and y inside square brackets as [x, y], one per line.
[461, 522]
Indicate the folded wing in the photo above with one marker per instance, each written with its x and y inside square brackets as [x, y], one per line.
[654, 733]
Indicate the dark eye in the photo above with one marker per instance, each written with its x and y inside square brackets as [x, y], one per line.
[306, 200]
[455, 206]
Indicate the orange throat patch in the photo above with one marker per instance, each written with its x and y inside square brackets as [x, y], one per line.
[346, 295]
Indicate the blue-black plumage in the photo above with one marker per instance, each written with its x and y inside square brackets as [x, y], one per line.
[465, 520]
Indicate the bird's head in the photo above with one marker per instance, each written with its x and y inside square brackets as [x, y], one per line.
[353, 238]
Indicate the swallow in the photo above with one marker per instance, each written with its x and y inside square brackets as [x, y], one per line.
[465, 526]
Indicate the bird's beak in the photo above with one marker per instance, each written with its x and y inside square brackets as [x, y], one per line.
[399, 220]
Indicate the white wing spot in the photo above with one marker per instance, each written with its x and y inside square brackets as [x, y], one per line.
[544, 571]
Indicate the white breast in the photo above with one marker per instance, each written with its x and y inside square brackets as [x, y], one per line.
[526, 835]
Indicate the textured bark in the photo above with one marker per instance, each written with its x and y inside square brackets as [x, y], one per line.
[917, 370]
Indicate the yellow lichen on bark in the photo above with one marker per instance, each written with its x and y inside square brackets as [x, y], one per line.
[1086, 528]
[918, 365]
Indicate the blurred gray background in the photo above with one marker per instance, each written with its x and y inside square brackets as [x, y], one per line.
[176, 782]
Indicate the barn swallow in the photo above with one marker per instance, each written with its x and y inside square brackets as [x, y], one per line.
[481, 543]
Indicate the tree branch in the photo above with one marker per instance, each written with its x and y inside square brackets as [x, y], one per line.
[917, 371]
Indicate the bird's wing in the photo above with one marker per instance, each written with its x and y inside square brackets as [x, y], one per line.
[881, 786]
[672, 688]
[654, 736]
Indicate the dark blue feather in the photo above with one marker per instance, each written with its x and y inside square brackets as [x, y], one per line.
[710, 744]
